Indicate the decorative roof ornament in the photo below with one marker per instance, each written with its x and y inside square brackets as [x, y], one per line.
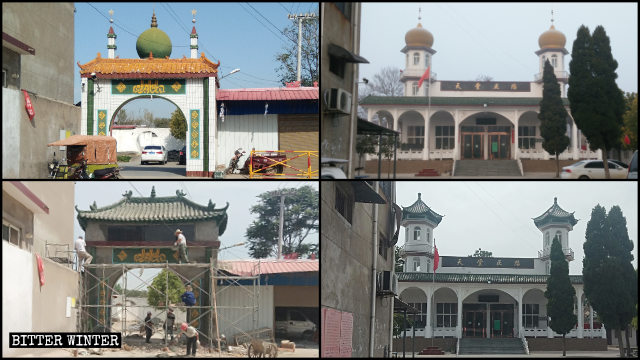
[419, 14]
[154, 21]
[193, 12]
[551, 16]
[153, 191]
[111, 14]
[180, 193]
[127, 194]
[93, 207]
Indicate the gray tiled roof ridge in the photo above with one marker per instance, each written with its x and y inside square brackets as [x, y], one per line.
[162, 199]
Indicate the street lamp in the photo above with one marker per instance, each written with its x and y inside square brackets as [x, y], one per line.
[232, 72]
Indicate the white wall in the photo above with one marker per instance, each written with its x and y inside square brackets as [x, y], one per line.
[134, 140]
[246, 131]
[17, 273]
[235, 309]
[10, 125]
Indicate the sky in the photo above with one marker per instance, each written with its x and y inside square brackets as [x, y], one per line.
[240, 35]
[241, 195]
[495, 39]
[497, 215]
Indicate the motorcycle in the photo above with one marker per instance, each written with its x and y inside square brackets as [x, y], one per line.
[54, 168]
[79, 172]
[233, 163]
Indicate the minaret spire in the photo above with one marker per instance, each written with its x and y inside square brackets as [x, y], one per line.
[154, 21]
[419, 14]
[111, 39]
[194, 37]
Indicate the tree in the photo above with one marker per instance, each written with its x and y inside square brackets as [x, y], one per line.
[630, 121]
[178, 125]
[399, 325]
[610, 281]
[288, 57]
[300, 218]
[482, 253]
[596, 101]
[399, 260]
[386, 82]
[560, 294]
[484, 78]
[365, 144]
[553, 116]
[161, 122]
[156, 295]
[121, 117]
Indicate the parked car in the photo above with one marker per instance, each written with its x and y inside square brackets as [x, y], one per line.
[182, 159]
[154, 153]
[592, 169]
[294, 323]
[632, 172]
[621, 163]
[330, 168]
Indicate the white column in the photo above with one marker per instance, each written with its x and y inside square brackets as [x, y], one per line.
[456, 140]
[514, 141]
[429, 332]
[488, 322]
[591, 319]
[396, 121]
[520, 324]
[580, 314]
[574, 140]
[459, 322]
[425, 149]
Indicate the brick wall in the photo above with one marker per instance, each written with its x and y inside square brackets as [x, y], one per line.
[573, 344]
[446, 344]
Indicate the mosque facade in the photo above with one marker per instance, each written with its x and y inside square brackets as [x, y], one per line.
[485, 297]
[483, 120]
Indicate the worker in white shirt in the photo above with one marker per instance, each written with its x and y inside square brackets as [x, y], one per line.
[82, 253]
[181, 242]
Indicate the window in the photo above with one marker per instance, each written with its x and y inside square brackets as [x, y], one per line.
[595, 165]
[344, 205]
[428, 235]
[416, 234]
[530, 315]
[554, 60]
[416, 58]
[11, 234]
[415, 135]
[426, 60]
[447, 314]
[546, 239]
[382, 246]
[559, 235]
[416, 264]
[414, 87]
[345, 9]
[527, 137]
[336, 65]
[445, 137]
[421, 318]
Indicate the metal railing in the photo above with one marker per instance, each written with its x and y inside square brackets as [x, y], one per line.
[63, 256]
[274, 165]
[558, 74]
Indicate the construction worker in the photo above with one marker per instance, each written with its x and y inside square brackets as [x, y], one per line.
[192, 338]
[82, 254]
[189, 299]
[168, 324]
[148, 325]
[181, 242]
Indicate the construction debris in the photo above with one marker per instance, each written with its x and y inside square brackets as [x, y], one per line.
[288, 345]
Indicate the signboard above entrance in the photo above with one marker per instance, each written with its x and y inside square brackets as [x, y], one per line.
[149, 87]
[514, 86]
[144, 255]
[487, 262]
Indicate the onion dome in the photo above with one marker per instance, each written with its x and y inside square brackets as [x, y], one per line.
[555, 215]
[153, 41]
[419, 36]
[552, 39]
[420, 211]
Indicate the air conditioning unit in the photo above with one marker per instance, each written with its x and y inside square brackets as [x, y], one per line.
[387, 284]
[337, 99]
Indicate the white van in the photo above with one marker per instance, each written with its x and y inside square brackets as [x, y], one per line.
[294, 323]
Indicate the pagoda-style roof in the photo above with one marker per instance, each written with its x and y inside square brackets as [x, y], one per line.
[150, 68]
[555, 214]
[419, 210]
[481, 278]
[154, 210]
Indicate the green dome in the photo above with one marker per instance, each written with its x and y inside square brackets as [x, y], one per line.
[156, 41]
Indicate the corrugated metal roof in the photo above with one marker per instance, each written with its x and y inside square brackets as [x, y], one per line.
[155, 210]
[449, 100]
[301, 93]
[149, 68]
[251, 267]
[555, 214]
[482, 278]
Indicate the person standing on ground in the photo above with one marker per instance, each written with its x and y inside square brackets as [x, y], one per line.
[181, 242]
[168, 324]
[148, 325]
[82, 254]
[192, 338]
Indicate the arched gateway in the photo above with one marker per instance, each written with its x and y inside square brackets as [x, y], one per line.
[138, 232]
[189, 83]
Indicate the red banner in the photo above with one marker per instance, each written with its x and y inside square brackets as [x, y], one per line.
[436, 259]
[40, 269]
[28, 105]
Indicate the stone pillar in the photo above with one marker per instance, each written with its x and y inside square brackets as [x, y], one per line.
[514, 140]
[459, 318]
[574, 140]
[456, 139]
[429, 332]
[520, 324]
[425, 149]
[580, 314]
[396, 121]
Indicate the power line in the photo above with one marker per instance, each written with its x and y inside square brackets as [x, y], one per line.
[275, 27]
[276, 35]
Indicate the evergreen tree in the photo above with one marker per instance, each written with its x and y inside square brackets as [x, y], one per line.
[560, 294]
[610, 281]
[178, 125]
[596, 101]
[630, 119]
[553, 116]
[156, 295]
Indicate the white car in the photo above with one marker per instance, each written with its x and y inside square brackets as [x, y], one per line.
[331, 170]
[592, 169]
[153, 153]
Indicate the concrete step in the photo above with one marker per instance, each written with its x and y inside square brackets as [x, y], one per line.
[428, 172]
[487, 168]
[469, 346]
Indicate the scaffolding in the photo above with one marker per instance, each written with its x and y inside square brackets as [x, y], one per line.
[100, 277]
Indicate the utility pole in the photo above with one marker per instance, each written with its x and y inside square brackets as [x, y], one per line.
[300, 17]
[282, 195]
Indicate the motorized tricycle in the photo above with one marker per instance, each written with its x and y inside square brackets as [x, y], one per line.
[258, 163]
[87, 157]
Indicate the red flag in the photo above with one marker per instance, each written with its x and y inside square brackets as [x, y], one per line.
[436, 259]
[40, 269]
[424, 77]
[28, 105]
[627, 140]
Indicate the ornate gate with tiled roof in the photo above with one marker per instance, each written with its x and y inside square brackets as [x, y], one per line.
[189, 83]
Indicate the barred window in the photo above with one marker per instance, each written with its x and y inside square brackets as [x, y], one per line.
[527, 137]
[530, 315]
[447, 314]
[445, 136]
[382, 246]
[415, 135]
[344, 205]
[416, 264]
[421, 318]
[416, 234]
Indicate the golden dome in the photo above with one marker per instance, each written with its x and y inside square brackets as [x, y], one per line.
[418, 36]
[552, 38]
